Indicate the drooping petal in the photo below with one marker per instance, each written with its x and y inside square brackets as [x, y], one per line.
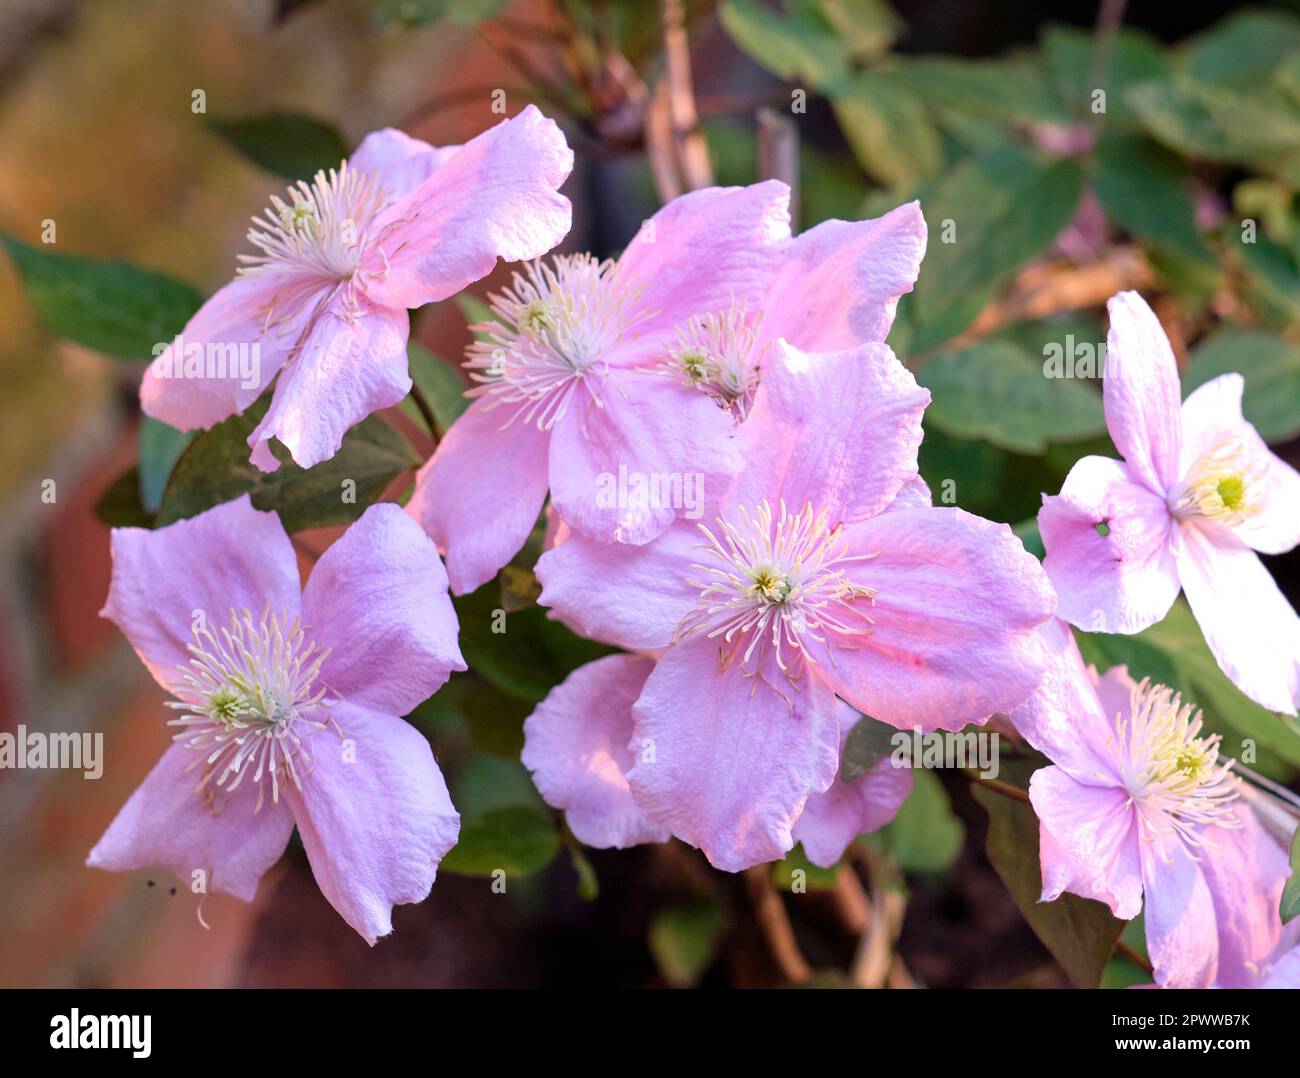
[232, 557]
[1212, 418]
[652, 451]
[705, 251]
[957, 605]
[576, 746]
[348, 368]
[840, 282]
[1245, 869]
[1142, 394]
[1181, 936]
[1088, 841]
[1248, 623]
[166, 824]
[834, 818]
[398, 162]
[374, 815]
[241, 337]
[839, 430]
[629, 596]
[378, 599]
[480, 493]
[495, 197]
[1120, 582]
[1064, 718]
[724, 760]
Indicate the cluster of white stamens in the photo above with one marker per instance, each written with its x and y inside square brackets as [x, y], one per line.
[320, 231]
[247, 701]
[1220, 486]
[554, 327]
[776, 580]
[1172, 774]
[715, 353]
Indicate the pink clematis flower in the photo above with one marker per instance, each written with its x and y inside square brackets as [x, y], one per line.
[287, 705]
[1138, 812]
[398, 225]
[598, 380]
[823, 572]
[579, 745]
[1198, 492]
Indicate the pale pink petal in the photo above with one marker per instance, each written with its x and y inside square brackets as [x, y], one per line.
[1248, 623]
[576, 746]
[237, 318]
[378, 599]
[707, 250]
[495, 197]
[1142, 393]
[650, 452]
[1121, 582]
[480, 493]
[1088, 841]
[1212, 418]
[374, 815]
[1245, 869]
[1064, 718]
[232, 557]
[397, 162]
[840, 281]
[348, 368]
[1285, 972]
[1181, 936]
[166, 824]
[629, 596]
[914, 494]
[837, 430]
[1114, 690]
[957, 605]
[727, 763]
[834, 818]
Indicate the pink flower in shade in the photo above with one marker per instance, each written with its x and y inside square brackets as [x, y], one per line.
[596, 370]
[286, 706]
[579, 745]
[1198, 492]
[824, 571]
[1138, 812]
[398, 225]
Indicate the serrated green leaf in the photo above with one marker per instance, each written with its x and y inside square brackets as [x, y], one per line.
[113, 307]
[285, 143]
[516, 840]
[215, 468]
[1079, 932]
[684, 940]
[1271, 367]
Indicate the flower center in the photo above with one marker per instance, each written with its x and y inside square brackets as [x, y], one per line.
[1219, 486]
[247, 700]
[1171, 773]
[716, 354]
[776, 581]
[320, 231]
[552, 330]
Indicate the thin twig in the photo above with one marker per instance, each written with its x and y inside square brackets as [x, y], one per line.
[1003, 788]
[774, 922]
[1132, 955]
[425, 411]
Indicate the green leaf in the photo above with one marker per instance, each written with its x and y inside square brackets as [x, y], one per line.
[888, 129]
[160, 447]
[413, 13]
[1271, 368]
[516, 840]
[119, 506]
[926, 835]
[800, 43]
[1079, 932]
[1143, 189]
[495, 720]
[867, 27]
[215, 468]
[1068, 55]
[1009, 90]
[869, 742]
[1244, 48]
[684, 940]
[1290, 906]
[813, 878]
[285, 143]
[1000, 393]
[1005, 207]
[440, 384]
[113, 307]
